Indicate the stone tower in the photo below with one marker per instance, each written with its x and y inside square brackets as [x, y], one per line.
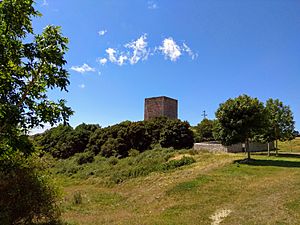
[160, 106]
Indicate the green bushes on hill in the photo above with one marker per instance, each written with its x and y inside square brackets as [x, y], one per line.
[115, 170]
[116, 140]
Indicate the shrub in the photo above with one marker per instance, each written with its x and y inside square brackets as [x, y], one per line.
[26, 196]
[113, 161]
[77, 198]
[133, 152]
[176, 134]
[86, 157]
[172, 164]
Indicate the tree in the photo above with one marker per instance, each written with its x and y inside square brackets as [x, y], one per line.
[28, 70]
[30, 65]
[281, 122]
[176, 134]
[204, 130]
[240, 119]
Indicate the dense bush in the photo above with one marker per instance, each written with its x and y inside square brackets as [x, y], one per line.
[86, 157]
[63, 141]
[26, 196]
[176, 134]
[116, 140]
[204, 130]
[172, 164]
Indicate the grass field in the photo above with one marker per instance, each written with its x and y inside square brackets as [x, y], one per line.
[216, 189]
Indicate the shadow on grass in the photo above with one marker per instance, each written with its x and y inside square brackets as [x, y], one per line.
[262, 162]
[282, 154]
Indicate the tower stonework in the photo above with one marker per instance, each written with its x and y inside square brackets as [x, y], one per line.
[160, 106]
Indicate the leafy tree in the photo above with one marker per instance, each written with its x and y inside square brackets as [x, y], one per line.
[28, 70]
[30, 64]
[280, 122]
[114, 147]
[63, 141]
[138, 136]
[240, 119]
[204, 130]
[176, 134]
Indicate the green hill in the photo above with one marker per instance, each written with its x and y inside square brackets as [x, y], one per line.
[145, 189]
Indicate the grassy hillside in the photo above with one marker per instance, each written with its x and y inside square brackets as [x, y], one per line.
[290, 146]
[266, 191]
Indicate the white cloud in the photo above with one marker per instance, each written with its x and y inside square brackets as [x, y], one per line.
[188, 50]
[139, 47]
[102, 32]
[152, 5]
[138, 50]
[45, 3]
[81, 86]
[170, 49]
[83, 69]
[122, 59]
[111, 54]
[102, 61]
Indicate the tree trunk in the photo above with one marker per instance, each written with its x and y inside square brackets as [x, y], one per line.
[268, 148]
[247, 149]
[276, 147]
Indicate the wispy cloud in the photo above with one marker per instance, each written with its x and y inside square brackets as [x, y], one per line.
[102, 61]
[82, 86]
[102, 32]
[139, 49]
[122, 59]
[111, 55]
[152, 5]
[170, 49]
[189, 51]
[83, 69]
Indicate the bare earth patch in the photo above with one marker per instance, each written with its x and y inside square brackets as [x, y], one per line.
[219, 216]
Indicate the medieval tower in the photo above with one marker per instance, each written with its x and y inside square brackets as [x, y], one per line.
[161, 106]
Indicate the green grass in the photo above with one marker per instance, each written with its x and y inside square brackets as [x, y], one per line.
[112, 170]
[264, 191]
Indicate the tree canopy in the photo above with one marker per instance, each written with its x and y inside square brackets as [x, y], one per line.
[204, 130]
[30, 65]
[240, 119]
[117, 140]
[280, 121]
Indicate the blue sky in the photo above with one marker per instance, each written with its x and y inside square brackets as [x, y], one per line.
[199, 52]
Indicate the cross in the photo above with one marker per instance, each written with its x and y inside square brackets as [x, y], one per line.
[204, 114]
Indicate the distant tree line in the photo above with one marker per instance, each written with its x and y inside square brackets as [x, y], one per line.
[63, 141]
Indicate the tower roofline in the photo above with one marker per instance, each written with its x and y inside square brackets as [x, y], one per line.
[161, 97]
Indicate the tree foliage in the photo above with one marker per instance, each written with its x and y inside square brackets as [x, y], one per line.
[30, 65]
[204, 130]
[281, 121]
[26, 197]
[240, 119]
[27, 70]
[117, 140]
[63, 141]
